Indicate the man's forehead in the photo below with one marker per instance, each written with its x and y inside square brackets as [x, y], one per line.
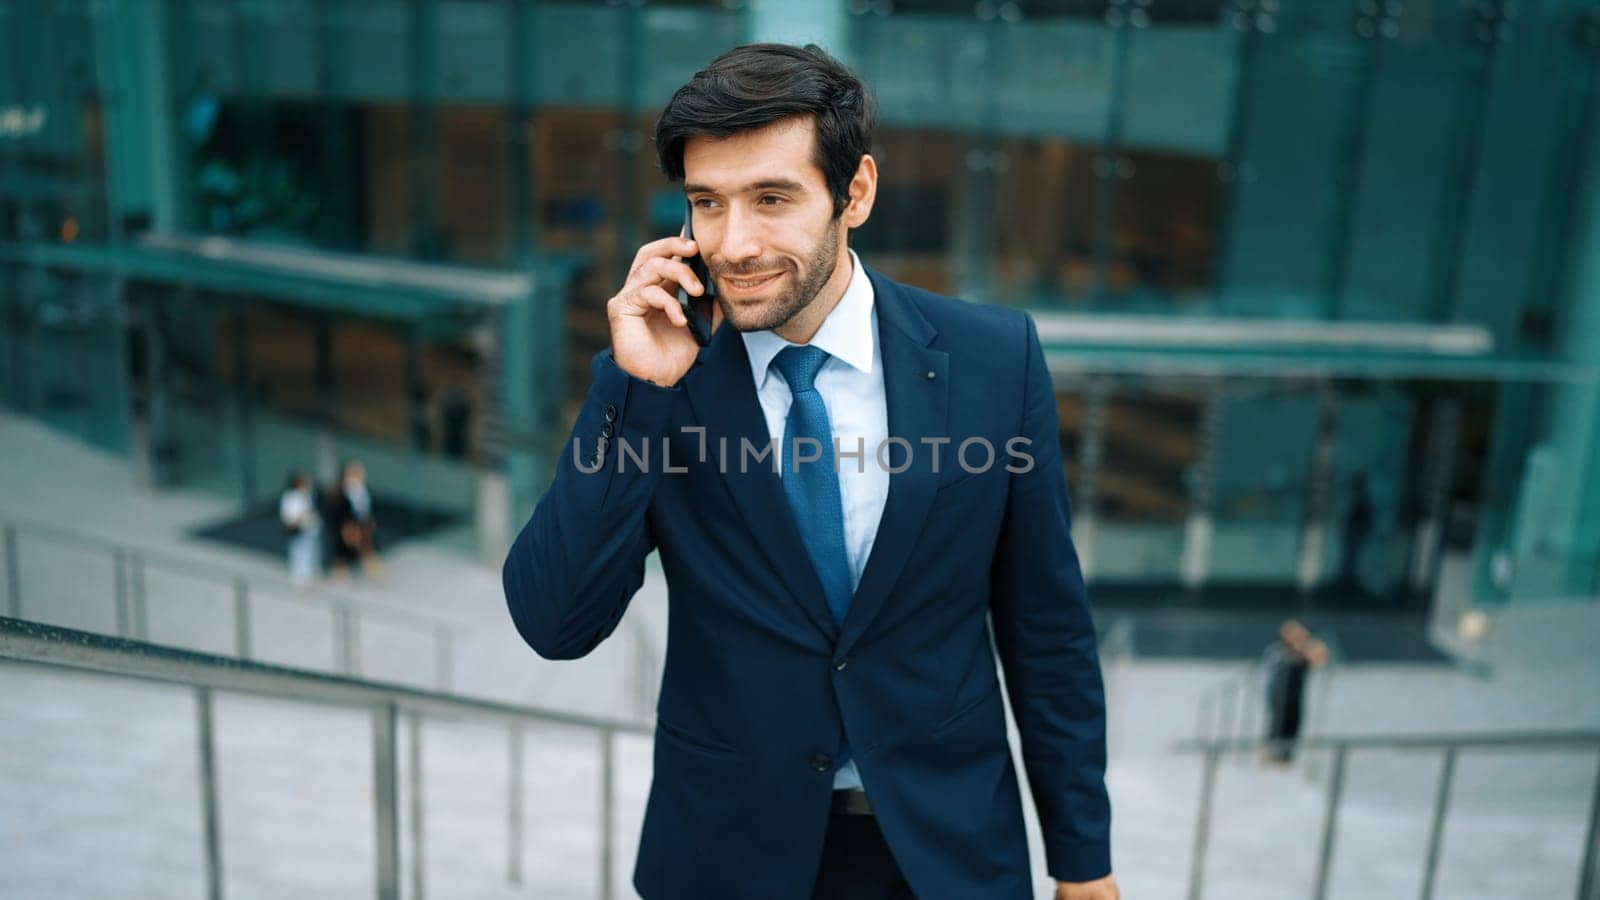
[780, 151]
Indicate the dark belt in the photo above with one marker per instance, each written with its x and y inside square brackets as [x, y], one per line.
[851, 802]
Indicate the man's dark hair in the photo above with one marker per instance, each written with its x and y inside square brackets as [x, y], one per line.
[755, 85]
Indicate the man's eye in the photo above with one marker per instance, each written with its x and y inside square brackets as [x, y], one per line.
[704, 203]
[772, 200]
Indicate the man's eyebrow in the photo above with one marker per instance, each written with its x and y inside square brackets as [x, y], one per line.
[765, 184]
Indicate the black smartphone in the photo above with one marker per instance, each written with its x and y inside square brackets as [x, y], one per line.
[699, 323]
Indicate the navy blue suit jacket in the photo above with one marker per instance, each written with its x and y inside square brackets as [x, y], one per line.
[760, 686]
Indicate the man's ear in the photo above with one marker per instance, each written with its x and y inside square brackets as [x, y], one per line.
[863, 192]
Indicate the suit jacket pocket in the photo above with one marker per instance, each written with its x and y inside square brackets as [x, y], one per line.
[966, 711]
[695, 743]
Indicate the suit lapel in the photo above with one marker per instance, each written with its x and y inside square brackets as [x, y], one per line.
[918, 408]
[723, 396]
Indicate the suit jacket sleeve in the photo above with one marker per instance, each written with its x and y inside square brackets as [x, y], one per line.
[578, 561]
[1046, 642]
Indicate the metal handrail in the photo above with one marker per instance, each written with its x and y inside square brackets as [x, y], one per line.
[48, 645]
[1221, 709]
[1449, 746]
[129, 563]
[455, 282]
[1473, 740]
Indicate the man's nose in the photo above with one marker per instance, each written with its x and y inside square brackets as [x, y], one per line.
[740, 237]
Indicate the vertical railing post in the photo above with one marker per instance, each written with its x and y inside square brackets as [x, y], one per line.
[386, 791]
[13, 575]
[344, 647]
[241, 617]
[1203, 717]
[1441, 807]
[414, 744]
[1589, 875]
[352, 640]
[608, 791]
[1241, 711]
[119, 578]
[1249, 730]
[444, 657]
[1225, 712]
[514, 792]
[141, 617]
[210, 819]
[341, 644]
[1202, 825]
[1330, 822]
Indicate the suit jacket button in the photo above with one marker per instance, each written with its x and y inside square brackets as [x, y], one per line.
[611, 412]
[840, 665]
[605, 430]
[821, 762]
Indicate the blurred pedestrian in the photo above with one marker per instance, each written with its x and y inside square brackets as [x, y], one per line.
[354, 525]
[456, 412]
[421, 424]
[302, 527]
[1357, 527]
[1288, 660]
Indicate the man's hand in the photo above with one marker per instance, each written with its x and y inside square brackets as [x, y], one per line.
[1099, 889]
[650, 337]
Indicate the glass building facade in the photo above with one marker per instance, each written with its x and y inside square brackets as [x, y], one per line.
[1319, 279]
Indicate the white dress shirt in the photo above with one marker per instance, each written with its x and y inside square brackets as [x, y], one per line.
[295, 508]
[851, 385]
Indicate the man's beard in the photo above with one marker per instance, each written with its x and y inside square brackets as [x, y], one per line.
[805, 287]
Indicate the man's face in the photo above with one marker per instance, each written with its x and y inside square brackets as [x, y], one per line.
[764, 221]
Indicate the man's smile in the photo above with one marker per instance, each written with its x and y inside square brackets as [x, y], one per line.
[749, 284]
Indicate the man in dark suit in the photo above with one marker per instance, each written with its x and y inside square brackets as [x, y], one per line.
[858, 497]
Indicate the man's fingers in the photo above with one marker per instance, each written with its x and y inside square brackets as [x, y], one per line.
[667, 246]
[671, 273]
[644, 300]
[662, 249]
[656, 297]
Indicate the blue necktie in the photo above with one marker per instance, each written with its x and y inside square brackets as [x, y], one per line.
[813, 487]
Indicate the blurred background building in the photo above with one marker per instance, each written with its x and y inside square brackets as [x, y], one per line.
[1285, 253]
[1319, 279]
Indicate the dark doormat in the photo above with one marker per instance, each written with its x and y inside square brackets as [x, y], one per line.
[1235, 634]
[1233, 621]
[398, 521]
[1334, 597]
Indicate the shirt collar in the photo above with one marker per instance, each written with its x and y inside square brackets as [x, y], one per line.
[846, 334]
